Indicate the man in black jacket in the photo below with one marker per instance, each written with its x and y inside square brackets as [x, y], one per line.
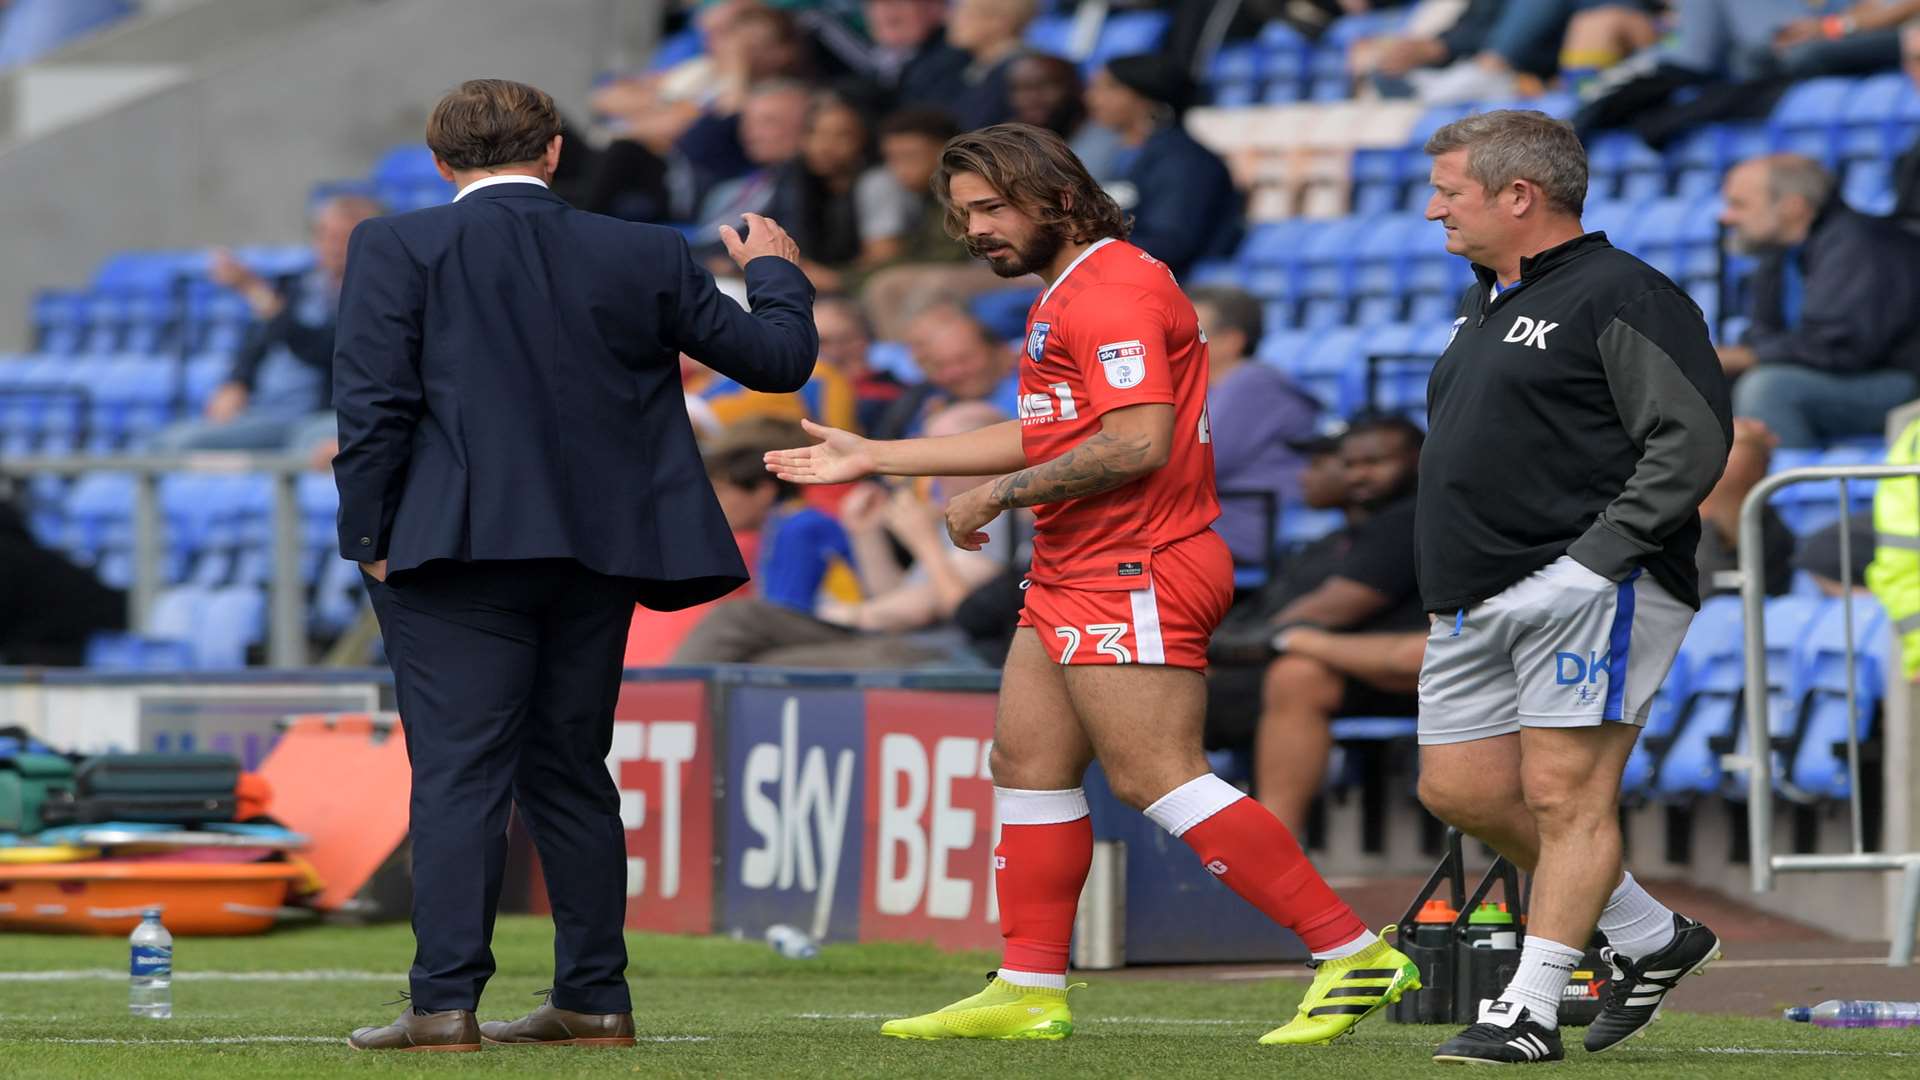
[1577, 418]
[1835, 306]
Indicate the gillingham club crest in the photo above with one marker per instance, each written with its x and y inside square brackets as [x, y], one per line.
[1037, 340]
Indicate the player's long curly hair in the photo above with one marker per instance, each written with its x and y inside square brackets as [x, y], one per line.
[1033, 169]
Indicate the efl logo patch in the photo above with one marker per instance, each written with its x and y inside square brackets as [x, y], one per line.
[1131, 569]
[1125, 363]
[1037, 340]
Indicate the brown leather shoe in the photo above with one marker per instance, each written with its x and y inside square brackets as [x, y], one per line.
[453, 1031]
[548, 1026]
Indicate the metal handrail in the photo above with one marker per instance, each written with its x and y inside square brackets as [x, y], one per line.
[286, 594]
[1758, 760]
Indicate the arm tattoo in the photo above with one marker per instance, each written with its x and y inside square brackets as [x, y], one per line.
[1102, 463]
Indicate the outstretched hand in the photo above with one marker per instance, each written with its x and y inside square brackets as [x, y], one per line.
[839, 457]
[764, 237]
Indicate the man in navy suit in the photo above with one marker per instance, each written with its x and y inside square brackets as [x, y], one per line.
[516, 470]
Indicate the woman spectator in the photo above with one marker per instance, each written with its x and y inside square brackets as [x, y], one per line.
[846, 214]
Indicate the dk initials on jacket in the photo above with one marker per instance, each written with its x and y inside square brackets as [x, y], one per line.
[1528, 332]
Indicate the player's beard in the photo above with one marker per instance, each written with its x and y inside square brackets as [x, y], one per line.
[1029, 258]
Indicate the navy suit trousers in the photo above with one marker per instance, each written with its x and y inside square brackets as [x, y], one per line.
[506, 675]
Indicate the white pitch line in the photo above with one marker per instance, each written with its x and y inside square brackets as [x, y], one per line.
[1093, 1020]
[318, 975]
[227, 1040]
[207, 1041]
[1257, 974]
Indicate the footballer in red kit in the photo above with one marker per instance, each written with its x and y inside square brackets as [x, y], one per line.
[1112, 452]
[1134, 574]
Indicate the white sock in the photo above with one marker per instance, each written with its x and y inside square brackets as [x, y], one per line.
[1034, 978]
[1366, 938]
[1192, 803]
[1635, 923]
[1545, 967]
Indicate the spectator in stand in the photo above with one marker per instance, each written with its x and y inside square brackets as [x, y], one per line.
[910, 144]
[1834, 341]
[933, 266]
[800, 548]
[773, 126]
[990, 32]
[1180, 194]
[49, 606]
[681, 128]
[845, 339]
[1735, 58]
[961, 362]
[1719, 554]
[1493, 50]
[1046, 91]
[1355, 594]
[277, 395]
[847, 214]
[875, 631]
[1254, 414]
[913, 64]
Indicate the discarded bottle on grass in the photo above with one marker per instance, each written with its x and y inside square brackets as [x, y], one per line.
[792, 942]
[1858, 1014]
[151, 989]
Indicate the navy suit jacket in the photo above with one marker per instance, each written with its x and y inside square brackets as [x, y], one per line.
[506, 373]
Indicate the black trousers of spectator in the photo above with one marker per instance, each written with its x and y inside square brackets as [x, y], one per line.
[506, 675]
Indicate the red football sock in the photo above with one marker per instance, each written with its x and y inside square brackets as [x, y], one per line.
[1244, 845]
[1046, 847]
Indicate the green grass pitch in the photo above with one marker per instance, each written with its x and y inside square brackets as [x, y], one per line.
[712, 1007]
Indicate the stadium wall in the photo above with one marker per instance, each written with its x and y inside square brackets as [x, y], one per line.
[229, 154]
[855, 806]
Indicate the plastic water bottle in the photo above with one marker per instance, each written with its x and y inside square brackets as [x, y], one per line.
[1858, 1014]
[792, 942]
[151, 987]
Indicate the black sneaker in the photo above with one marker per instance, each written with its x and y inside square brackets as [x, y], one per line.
[1633, 997]
[1505, 1035]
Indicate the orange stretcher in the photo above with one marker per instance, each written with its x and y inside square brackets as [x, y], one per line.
[107, 897]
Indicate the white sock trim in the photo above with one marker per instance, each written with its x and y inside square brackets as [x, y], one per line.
[1192, 803]
[1541, 979]
[1635, 923]
[1017, 807]
[1033, 978]
[1359, 944]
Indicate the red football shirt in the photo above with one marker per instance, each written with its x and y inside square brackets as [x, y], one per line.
[1115, 331]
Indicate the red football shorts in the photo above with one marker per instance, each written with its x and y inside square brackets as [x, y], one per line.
[1169, 620]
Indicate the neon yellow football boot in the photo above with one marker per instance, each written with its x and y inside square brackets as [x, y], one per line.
[1001, 1011]
[1345, 992]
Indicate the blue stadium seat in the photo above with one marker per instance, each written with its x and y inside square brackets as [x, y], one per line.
[177, 613]
[405, 163]
[894, 358]
[1712, 652]
[1818, 768]
[137, 652]
[1051, 34]
[1004, 311]
[1129, 32]
[1871, 127]
[1813, 106]
[234, 618]
[1869, 187]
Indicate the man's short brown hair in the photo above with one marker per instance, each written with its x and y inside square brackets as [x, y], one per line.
[488, 123]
